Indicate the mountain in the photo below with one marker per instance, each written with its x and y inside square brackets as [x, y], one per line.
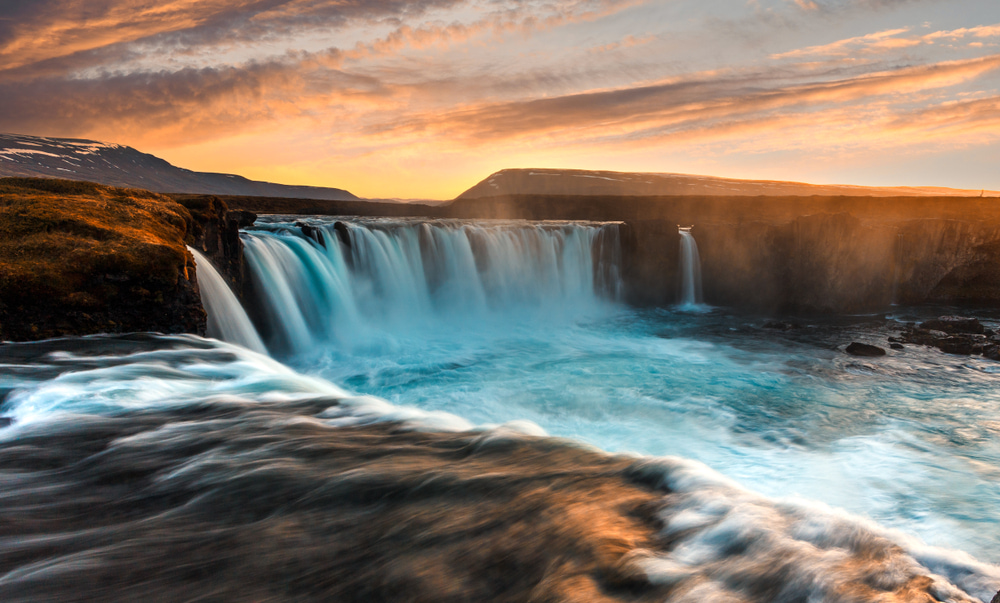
[595, 183]
[118, 165]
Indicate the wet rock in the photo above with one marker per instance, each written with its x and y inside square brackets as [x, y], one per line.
[924, 337]
[996, 598]
[343, 233]
[954, 325]
[964, 344]
[864, 349]
[241, 217]
[991, 351]
[895, 340]
[956, 345]
[312, 232]
[781, 326]
[896, 346]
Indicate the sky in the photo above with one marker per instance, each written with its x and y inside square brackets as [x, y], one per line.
[424, 98]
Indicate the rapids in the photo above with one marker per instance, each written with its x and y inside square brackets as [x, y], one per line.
[785, 469]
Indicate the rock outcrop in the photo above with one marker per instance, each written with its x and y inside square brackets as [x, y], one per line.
[215, 231]
[79, 258]
[791, 254]
[863, 349]
[954, 335]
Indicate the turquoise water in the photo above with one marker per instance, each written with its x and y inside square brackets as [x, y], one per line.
[909, 440]
[438, 328]
[505, 321]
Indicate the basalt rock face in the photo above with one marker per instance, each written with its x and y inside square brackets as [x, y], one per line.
[79, 258]
[816, 263]
[791, 254]
[215, 231]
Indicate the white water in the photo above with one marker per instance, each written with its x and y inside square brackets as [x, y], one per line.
[907, 445]
[690, 270]
[724, 538]
[398, 276]
[226, 318]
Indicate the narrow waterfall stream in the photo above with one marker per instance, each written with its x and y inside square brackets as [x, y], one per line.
[226, 318]
[690, 268]
[397, 433]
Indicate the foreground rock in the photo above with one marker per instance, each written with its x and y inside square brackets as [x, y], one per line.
[954, 324]
[863, 349]
[215, 231]
[79, 258]
[954, 335]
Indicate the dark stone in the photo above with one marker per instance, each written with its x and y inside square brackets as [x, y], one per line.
[864, 349]
[312, 232]
[991, 351]
[956, 345]
[243, 218]
[996, 598]
[895, 340]
[5, 421]
[954, 324]
[343, 233]
[896, 346]
[781, 326]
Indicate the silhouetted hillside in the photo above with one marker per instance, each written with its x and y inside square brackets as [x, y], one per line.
[117, 165]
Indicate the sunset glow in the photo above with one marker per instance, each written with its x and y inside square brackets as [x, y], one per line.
[423, 98]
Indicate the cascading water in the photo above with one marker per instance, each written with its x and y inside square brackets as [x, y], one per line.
[690, 268]
[343, 280]
[226, 318]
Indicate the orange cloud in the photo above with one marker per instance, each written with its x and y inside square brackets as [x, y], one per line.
[883, 41]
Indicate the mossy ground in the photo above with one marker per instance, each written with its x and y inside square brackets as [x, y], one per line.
[78, 257]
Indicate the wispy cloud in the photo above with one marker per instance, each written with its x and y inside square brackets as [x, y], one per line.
[414, 78]
[888, 40]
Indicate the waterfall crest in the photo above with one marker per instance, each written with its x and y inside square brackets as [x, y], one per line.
[226, 318]
[326, 281]
[690, 268]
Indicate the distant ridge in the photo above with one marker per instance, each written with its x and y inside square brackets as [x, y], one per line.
[593, 183]
[118, 165]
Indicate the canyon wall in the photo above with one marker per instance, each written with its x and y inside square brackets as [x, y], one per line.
[793, 254]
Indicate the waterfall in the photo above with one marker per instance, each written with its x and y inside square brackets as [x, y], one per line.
[226, 318]
[690, 268]
[337, 282]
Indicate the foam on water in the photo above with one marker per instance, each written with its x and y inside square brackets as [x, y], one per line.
[909, 441]
[854, 464]
[724, 541]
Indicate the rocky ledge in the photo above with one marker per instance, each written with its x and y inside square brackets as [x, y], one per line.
[953, 335]
[78, 258]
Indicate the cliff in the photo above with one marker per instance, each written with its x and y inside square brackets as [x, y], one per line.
[580, 183]
[79, 258]
[792, 254]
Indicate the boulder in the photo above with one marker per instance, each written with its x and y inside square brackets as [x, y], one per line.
[956, 345]
[954, 324]
[896, 346]
[312, 232]
[343, 233]
[781, 326]
[864, 349]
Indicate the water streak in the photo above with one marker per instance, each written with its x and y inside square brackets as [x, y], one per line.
[345, 280]
[690, 269]
[226, 318]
